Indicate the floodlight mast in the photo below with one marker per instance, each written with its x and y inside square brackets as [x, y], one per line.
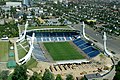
[105, 46]
[19, 30]
[28, 56]
[83, 24]
[22, 38]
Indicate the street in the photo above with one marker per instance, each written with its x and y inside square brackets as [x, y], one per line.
[112, 44]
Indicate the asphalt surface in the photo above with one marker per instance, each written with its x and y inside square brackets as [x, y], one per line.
[113, 44]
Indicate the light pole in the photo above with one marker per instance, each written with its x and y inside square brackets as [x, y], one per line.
[83, 24]
[105, 46]
[22, 38]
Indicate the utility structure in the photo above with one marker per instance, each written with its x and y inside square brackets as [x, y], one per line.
[105, 46]
[29, 54]
[22, 37]
[83, 24]
[18, 25]
[105, 41]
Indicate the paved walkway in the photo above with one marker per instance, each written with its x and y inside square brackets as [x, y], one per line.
[13, 40]
[23, 47]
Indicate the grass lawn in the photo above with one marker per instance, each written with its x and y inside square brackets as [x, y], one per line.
[4, 48]
[62, 51]
[31, 63]
[21, 52]
[25, 43]
[47, 27]
[9, 77]
[27, 48]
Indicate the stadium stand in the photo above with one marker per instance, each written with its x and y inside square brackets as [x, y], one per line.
[86, 47]
[38, 53]
[53, 36]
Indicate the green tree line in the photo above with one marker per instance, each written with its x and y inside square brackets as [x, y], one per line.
[20, 73]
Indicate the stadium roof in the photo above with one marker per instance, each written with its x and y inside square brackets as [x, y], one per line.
[53, 29]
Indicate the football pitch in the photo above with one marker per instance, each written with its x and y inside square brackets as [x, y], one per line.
[3, 51]
[62, 51]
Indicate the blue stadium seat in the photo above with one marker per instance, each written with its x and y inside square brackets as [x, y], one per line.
[46, 36]
[51, 34]
[84, 46]
[55, 38]
[39, 39]
[52, 39]
[47, 39]
[44, 39]
[67, 38]
[94, 53]
[59, 38]
[87, 50]
[76, 40]
[80, 42]
[63, 38]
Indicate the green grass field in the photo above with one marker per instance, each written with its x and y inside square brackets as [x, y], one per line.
[47, 27]
[21, 52]
[32, 63]
[34, 27]
[62, 51]
[4, 51]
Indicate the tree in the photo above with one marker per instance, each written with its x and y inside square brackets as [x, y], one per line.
[33, 13]
[12, 11]
[58, 77]
[61, 20]
[4, 74]
[7, 15]
[48, 75]
[117, 74]
[24, 17]
[69, 77]
[36, 76]
[20, 73]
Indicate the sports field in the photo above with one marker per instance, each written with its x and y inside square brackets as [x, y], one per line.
[4, 51]
[62, 51]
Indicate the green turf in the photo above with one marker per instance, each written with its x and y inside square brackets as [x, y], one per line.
[47, 27]
[25, 43]
[62, 51]
[4, 51]
[9, 77]
[32, 63]
[21, 52]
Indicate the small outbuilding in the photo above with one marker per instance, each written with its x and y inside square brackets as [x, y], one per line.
[11, 64]
[11, 54]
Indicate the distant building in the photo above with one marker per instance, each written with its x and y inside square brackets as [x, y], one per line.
[55, 1]
[6, 8]
[61, 1]
[27, 3]
[14, 4]
[37, 10]
[2, 21]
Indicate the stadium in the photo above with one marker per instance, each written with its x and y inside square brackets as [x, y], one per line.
[63, 50]
[61, 45]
